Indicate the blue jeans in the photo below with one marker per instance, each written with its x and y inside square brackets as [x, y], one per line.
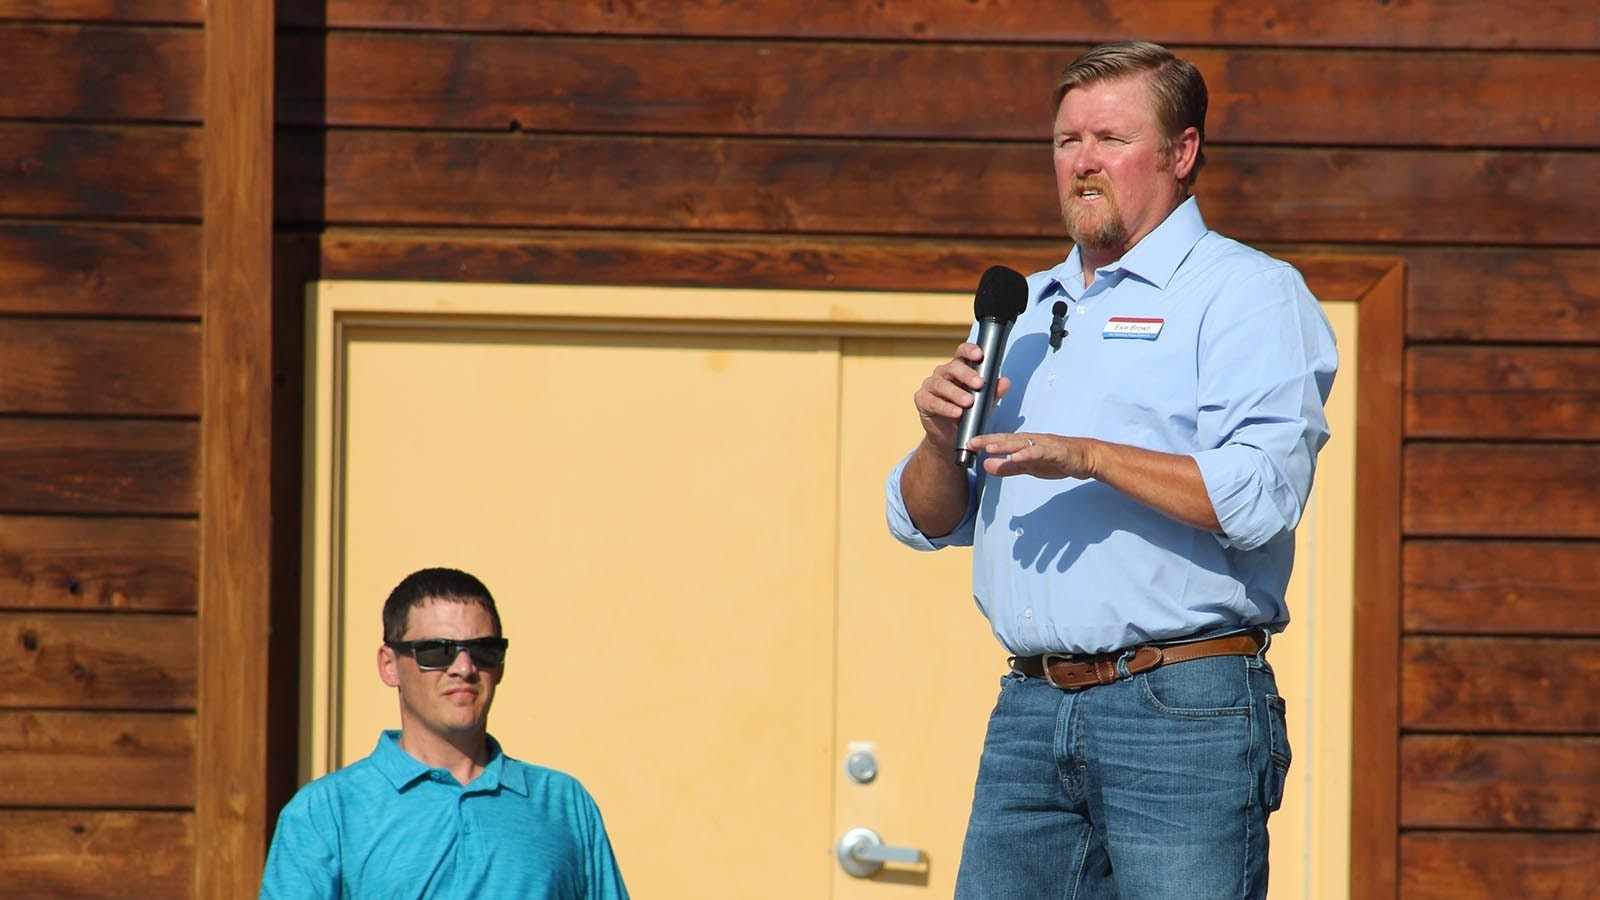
[1155, 786]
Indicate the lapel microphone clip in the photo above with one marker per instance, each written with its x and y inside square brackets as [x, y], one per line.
[1058, 324]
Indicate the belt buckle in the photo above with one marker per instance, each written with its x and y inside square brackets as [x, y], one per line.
[1047, 660]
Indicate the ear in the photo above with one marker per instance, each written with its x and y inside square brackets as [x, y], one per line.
[1184, 152]
[388, 666]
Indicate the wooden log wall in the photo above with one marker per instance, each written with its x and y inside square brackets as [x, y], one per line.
[858, 146]
[100, 397]
[134, 443]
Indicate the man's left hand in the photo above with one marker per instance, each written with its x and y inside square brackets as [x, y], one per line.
[1039, 455]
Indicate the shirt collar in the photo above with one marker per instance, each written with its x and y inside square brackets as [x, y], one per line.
[1154, 259]
[403, 770]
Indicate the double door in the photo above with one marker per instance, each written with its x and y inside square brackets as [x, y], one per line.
[679, 508]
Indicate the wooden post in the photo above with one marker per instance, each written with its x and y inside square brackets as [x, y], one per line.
[235, 500]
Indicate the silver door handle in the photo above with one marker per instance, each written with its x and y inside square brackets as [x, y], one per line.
[862, 853]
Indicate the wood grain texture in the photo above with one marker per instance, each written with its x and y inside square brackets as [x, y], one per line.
[1375, 718]
[1457, 866]
[1500, 685]
[1503, 392]
[747, 261]
[931, 91]
[1400, 196]
[89, 368]
[1423, 23]
[1511, 783]
[149, 11]
[73, 466]
[75, 72]
[1513, 295]
[964, 190]
[232, 817]
[131, 271]
[1502, 490]
[1502, 587]
[97, 661]
[70, 563]
[115, 172]
[124, 760]
[74, 854]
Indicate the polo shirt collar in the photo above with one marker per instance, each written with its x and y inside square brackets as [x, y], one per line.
[1154, 259]
[402, 770]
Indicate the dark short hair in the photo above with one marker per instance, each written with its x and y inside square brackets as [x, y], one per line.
[451, 585]
[1176, 86]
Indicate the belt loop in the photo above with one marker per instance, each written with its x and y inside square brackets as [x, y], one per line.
[1122, 662]
[1266, 641]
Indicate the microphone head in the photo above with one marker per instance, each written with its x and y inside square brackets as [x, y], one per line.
[1059, 309]
[1002, 294]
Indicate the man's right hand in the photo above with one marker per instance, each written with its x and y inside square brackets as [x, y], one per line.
[933, 485]
[946, 395]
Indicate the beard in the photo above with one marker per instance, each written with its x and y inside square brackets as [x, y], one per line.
[1097, 228]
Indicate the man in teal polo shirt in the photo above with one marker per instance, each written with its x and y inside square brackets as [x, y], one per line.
[438, 810]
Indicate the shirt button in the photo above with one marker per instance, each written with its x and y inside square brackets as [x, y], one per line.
[1027, 613]
[1082, 310]
[1051, 378]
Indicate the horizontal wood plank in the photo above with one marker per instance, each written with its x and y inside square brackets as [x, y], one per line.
[1502, 490]
[1457, 866]
[1565, 24]
[118, 760]
[72, 466]
[89, 855]
[966, 190]
[1500, 684]
[129, 271]
[188, 12]
[927, 91]
[98, 661]
[76, 367]
[748, 261]
[67, 563]
[1514, 393]
[1502, 587]
[1400, 196]
[113, 172]
[102, 74]
[1520, 295]
[1513, 783]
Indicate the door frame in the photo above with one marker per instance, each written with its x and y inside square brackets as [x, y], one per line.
[1376, 284]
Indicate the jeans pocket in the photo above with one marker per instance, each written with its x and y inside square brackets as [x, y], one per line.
[1278, 752]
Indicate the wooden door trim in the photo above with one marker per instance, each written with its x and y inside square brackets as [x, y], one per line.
[1375, 283]
[1375, 713]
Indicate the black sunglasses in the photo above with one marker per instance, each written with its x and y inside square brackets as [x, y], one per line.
[439, 653]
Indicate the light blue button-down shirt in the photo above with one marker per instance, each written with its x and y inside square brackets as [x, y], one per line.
[390, 827]
[1192, 343]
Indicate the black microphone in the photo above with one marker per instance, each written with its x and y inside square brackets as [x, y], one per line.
[1002, 296]
[1058, 324]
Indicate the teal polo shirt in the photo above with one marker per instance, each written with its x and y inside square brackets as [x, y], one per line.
[390, 827]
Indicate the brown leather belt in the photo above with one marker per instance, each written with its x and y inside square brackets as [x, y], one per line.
[1074, 672]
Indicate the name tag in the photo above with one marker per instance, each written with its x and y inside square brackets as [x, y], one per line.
[1129, 327]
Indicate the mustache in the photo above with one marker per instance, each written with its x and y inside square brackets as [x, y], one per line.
[1093, 181]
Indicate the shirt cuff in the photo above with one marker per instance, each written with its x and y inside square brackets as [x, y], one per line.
[900, 524]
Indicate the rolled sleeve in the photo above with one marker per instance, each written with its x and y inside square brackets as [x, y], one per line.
[901, 526]
[1267, 364]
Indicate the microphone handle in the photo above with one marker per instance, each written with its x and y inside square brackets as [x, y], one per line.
[992, 341]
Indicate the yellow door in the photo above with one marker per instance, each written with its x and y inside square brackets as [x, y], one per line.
[679, 507]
